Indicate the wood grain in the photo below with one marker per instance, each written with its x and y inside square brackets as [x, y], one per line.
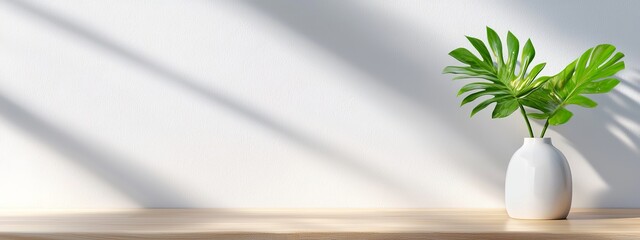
[313, 224]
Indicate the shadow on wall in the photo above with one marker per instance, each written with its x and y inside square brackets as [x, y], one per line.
[592, 20]
[366, 41]
[608, 136]
[144, 188]
[354, 34]
[372, 43]
[85, 155]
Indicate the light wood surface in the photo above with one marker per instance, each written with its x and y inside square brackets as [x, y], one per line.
[314, 224]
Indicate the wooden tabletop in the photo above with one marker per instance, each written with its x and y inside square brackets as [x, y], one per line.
[313, 224]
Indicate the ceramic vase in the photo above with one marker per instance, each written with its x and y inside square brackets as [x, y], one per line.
[538, 182]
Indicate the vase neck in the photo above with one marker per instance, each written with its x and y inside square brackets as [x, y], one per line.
[537, 140]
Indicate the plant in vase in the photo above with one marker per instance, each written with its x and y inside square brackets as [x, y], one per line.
[538, 183]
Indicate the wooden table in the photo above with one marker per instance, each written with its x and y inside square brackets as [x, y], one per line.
[313, 224]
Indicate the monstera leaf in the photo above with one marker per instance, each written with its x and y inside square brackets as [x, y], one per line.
[506, 83]
[511, 85]
[590, 74]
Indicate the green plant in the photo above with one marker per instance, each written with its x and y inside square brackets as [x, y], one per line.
[512, 86]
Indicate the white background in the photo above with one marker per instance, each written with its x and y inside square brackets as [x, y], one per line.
[124, 104]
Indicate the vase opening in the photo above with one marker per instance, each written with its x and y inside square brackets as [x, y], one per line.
[537, 140]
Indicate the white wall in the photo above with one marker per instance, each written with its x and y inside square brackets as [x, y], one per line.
[289, 103]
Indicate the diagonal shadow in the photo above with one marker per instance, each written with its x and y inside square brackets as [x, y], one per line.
[144, 188]
[607, 144]
[592, 21]
[169, 76]
[366, 41]
[614, 157]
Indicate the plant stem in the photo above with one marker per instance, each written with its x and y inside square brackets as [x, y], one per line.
[544, 130]
[526, 119]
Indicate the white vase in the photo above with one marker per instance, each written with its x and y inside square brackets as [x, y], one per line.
[538, 183]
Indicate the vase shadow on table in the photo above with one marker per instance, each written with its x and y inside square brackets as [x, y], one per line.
[591, 216]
